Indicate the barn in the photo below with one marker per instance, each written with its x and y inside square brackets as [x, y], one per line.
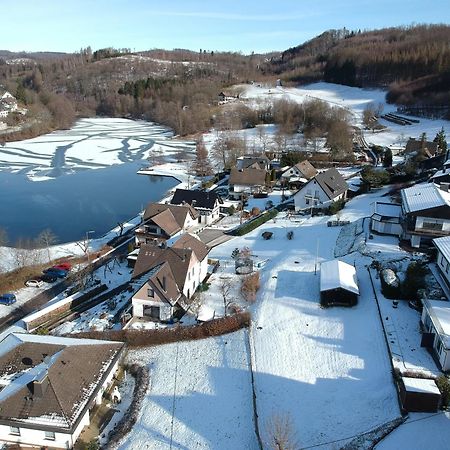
[338, 284]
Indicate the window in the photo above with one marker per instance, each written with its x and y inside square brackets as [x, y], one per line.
[432, 225]
[307, 201]
[50, 435]
[150, 292]
[447, 267]
[14, 430]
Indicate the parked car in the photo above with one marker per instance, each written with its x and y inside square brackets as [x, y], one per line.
[34, 283]
[63, 266]
[48, 278]
[7, 299]
[58, 273]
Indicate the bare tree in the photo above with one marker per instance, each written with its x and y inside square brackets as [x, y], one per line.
[202, 165]
[25, 253]
[280, 433]
[46, 239]
[225, 287]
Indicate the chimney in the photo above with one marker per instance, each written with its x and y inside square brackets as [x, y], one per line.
[38, 387]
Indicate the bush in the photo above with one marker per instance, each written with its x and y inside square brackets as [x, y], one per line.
[250, 286]
[414, 280]
[444, 386]
[336, 206]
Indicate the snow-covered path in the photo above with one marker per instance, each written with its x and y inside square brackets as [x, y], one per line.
[206, 386]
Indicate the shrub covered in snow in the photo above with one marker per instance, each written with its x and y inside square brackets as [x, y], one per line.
[390, 284]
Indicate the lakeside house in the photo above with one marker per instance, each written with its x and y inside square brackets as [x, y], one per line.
[48, 386]
[321, 190]
[246, 182]
[206, 203]
[425, 213]
[163, 221]
[175, 273]
[435, 322]
[386, 219]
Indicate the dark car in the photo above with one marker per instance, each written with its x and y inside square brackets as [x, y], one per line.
[58, 273]
[7, 299]
[48, 278]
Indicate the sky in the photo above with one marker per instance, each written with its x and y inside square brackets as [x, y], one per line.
[232, 25]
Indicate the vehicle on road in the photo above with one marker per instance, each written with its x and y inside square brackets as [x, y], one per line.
[7, 299]
[48, 278]
[58, 273]
[34, 283]
[63, 266]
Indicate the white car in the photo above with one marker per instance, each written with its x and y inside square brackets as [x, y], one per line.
[34, 283]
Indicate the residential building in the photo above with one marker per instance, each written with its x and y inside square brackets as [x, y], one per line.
[260, 162]
[303, 171]
[246, 182]
[162, 221]
[435, 321]
[386, 219]
[48, 385]
[425, 214]
[206, 203]
[443, 257]
[183, 266]
[429, 148]
[321, 190]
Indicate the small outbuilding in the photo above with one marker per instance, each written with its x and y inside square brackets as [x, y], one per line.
[419, 395]
[386, 218]
[338, 284]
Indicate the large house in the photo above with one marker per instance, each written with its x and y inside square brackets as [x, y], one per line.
[246, 182]
[206, 203]
[175, 273]
[418, 145]
[436, 326]
[321, 190]
[48, 385]
[163, 221]
[425, 213]
[8, 103]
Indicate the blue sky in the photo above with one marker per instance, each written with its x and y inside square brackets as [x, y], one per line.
[245, 25]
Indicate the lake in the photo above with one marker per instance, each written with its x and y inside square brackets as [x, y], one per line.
[87, 178]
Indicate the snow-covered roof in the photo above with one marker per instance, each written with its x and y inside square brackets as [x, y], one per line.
[420, 385]
[338, 274]
[387, 209]
[443, 245]
[424, 196]
[441, 172]
[439, 312]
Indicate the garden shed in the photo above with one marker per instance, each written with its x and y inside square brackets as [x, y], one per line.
[338, 284]
[419, 395]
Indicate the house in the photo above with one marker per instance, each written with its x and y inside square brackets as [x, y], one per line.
[425, 214]
[246, 181]
[174, 274]
[417, 145]
[162, 221]
[296, 176]
[443, 257]
[386, 219]
[321, 190]
[260, 162]
[225, 97]
[206, 203]
[8, 104]
[338, 284]
[48, 385]
[435, 321]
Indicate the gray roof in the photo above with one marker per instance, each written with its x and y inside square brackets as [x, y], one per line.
[443, 245]
[332, 182]
[421, 197]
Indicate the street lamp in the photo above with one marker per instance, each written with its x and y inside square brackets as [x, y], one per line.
[87, 244]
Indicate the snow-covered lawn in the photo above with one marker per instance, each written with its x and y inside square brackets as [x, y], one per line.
[313, 364]
[200, 396]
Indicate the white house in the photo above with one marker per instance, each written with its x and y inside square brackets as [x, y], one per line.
[436, 325]
[246, 181]
[443, 257]
[206, 203]
[322, 190]
[48, 385]
[175, 273]
[425, 213]
[386, 219]
[299, 174]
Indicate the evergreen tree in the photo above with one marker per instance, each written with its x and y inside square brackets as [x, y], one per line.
[441, 140]
[387, 159]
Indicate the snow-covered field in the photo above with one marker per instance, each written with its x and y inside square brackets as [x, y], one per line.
[89, 144]
[200, 396]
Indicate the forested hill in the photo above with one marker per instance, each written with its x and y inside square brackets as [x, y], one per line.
[414, 62]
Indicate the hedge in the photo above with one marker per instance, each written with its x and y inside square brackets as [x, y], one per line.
[255, 223]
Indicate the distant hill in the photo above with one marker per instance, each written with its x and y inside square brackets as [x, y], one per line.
[414, 62]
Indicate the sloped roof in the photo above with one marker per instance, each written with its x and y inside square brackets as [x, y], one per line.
[443, 245]
[332, 182]
[244, 162]
[337, 274]
[306, 169]
[167, 222]
[71, 368]
[179, 212]
[151, 256]
[198, 199]
[247, 177]
[387, 209]
[414, 145]
[424, 196]
[192, 242]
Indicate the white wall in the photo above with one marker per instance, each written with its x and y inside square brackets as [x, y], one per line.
[312, 195]
[394, 229]
[444, 265]
[420, 220]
